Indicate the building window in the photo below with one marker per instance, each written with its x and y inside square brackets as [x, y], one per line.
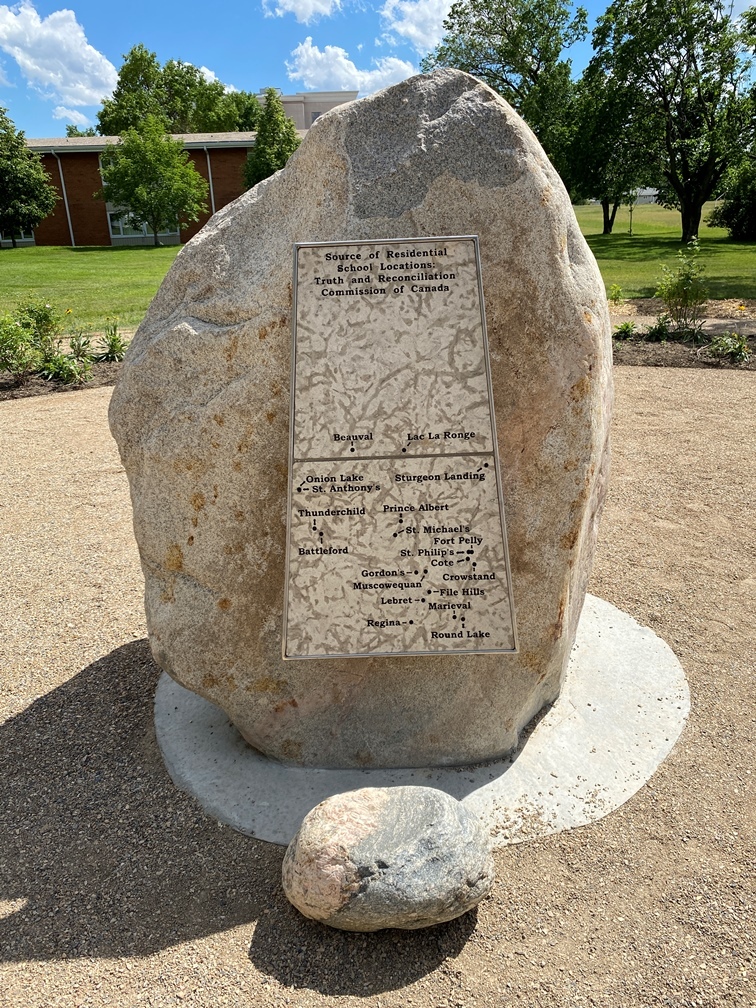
[6, 236]
[120, 229]
[314, 116]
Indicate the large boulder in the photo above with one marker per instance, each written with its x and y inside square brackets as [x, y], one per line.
[402, 857]
[201, 417]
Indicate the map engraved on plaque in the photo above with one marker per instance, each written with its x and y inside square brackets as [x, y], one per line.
[396, 536]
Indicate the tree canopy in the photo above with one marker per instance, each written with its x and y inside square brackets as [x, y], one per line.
[150, 178]
[177, 93]
[608, 157]
[26, 194]
[517, 47]
[276, 141]
[737, 211]
[667, 100]
[77, 131]
[688, 64]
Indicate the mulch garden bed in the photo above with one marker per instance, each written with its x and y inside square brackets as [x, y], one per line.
[722, 317]
[103, 373]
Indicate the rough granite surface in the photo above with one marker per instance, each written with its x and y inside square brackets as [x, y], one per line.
[201, 417]
[403, 857]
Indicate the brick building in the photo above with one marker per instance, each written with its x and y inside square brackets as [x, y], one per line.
[73, 164]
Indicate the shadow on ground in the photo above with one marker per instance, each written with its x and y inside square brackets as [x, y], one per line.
[101, 856]
[108, 856]
[303, 954]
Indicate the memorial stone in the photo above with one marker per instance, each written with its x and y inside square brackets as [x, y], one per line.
[218, 465]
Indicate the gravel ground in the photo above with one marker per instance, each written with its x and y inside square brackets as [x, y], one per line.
[116, 890]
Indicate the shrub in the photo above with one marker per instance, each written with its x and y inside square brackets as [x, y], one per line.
[30, 343]
[737, 211]
[659, 331]
[80, 346]
[625, 330]
[731, 345]
[40, 320]
[615, 294]
[18, 353]
[684, 292]
[65, 368]
[112, 345]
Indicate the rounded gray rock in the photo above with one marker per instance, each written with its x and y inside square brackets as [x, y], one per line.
[402, 857]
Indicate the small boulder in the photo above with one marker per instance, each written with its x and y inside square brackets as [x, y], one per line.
[401, 857]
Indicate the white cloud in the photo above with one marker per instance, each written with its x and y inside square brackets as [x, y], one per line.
[420, 22]
[330, 69]
[303, 10]
[211, 77]
[70, 116]
[54, 56]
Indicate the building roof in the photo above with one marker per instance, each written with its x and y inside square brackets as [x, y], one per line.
[96, 144]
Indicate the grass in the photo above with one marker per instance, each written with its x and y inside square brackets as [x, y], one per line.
[634, 261]
[102, 283]
[95, 283]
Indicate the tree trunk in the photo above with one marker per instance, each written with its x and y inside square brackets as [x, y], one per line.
[691, 219]
[609, 215]
[13, 241]
[607, 220]
[154, 235]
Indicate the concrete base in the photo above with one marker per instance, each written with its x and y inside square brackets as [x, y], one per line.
[623, 705]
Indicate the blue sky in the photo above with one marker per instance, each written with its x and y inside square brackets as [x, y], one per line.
[57, 62]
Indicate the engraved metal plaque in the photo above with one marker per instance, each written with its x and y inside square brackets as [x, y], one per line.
[396, 535]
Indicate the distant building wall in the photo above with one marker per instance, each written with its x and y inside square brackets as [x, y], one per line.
[88, 219]
[226, 171]
[73, 164]
[305, 106]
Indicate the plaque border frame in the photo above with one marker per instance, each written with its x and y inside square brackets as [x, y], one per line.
[494, 451]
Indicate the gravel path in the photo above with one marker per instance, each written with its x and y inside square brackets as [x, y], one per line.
[116, 890]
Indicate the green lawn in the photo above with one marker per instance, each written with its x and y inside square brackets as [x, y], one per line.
[95, 283]
[634, 261]
[101, 283]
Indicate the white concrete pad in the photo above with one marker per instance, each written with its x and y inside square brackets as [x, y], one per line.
[622, 708]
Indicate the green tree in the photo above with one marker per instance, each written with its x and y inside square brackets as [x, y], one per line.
[191, 103]
[150, 178]
[609, 158]
[517, 47]
[26, 194]
[737, 211]
[244, 110]
[276, 141]
[137, 94]
[178, 93]
[688, 62]
[77, 131]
